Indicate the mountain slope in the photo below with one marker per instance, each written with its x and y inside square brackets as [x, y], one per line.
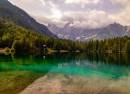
[21, 40]
[18, 16]
[83, 34]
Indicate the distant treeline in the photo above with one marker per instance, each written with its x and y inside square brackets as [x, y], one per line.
[24, 41]
[117, 45]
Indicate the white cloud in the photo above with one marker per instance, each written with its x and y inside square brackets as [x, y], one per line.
[121, 2]
[43, 2]
[58, 12]
[90, 19]
[123, 17]
[81, 1]
[30, 6]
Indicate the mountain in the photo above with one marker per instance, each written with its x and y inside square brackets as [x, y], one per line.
[16, 39]
[128, 31]
[83, 34]
[21, 18]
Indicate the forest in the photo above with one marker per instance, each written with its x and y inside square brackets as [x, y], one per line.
[17, 39]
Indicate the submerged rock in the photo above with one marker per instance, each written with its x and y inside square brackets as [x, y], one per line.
[64, 84]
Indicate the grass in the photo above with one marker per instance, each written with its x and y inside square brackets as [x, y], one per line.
[14, 82]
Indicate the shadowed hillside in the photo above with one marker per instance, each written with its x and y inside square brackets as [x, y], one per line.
[18, 16]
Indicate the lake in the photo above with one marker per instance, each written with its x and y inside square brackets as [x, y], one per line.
[88, 71]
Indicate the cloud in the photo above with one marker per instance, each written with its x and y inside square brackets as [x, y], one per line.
[89, 19]
[121, 2]
[81, 13]
[81, 1]
[30, 6]
[123, 17]
[43, 2]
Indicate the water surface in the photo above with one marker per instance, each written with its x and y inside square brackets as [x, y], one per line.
[90, 66]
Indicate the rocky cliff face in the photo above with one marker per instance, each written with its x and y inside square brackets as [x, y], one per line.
[83, 34]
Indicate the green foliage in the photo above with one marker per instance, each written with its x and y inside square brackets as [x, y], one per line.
[117, 45]
[24, 41]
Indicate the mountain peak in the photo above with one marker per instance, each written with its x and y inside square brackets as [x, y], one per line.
[115, 24]
[110, 31]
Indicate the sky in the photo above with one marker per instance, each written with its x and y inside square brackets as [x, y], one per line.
[78, 13]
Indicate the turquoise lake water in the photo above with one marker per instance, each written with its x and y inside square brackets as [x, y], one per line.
[94, 72]
[95, 65]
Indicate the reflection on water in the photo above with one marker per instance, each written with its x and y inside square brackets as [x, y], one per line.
[96, 73]
[112, 66]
